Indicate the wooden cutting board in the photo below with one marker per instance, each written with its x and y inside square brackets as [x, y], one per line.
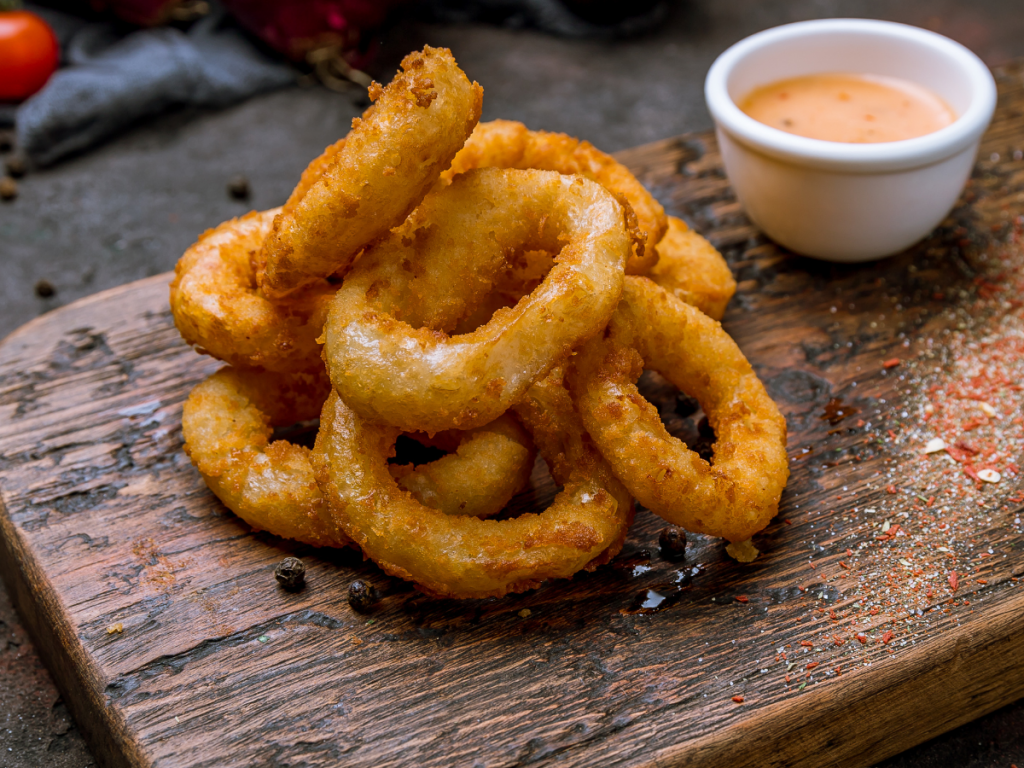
[847, 640]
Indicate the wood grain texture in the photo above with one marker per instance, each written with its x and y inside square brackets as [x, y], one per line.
[105, 522]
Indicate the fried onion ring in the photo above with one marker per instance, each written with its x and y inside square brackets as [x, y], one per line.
[389, 161]
[228, 422]
[218, 308]
[690, 268]
[486, 468]
[385, 345]
[465, 557]
[738, 492]
[508, 144]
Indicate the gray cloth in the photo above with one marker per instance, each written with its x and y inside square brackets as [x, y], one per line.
[112, 82]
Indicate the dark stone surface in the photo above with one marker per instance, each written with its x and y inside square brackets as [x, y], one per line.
[128, 209]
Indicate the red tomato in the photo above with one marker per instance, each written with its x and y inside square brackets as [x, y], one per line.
[28, 54]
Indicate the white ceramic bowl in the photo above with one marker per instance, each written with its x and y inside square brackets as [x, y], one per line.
[848, 202]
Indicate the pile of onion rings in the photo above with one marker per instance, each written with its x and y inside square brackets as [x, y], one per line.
[490, 292]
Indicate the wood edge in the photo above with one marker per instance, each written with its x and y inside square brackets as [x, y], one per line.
[922, 693]
[55, 316]
[103, 726]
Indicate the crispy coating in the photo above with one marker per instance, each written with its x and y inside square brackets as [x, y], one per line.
[486, 468]
[738, 492]
[389, 161]
[386, 348]
[466, 557]
[228, 422]
[521, 277]
[219, 310]
[690, 268]
[508, 144]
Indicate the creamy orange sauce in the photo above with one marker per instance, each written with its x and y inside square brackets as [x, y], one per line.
[855, 109]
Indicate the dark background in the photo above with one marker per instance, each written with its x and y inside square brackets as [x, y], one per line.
[129, 208]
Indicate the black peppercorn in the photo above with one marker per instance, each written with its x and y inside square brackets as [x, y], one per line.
[291, 574]
[361, 596]
[45, 289]
[672, 542]
[238, 188]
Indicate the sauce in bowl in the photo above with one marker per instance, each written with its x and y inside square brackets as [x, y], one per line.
[849, 108]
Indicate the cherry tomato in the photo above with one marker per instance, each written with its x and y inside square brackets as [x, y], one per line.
[28, 54]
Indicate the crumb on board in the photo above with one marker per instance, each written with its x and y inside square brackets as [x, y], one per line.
[742, 551]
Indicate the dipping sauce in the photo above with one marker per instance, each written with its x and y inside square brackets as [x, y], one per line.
[849, 108]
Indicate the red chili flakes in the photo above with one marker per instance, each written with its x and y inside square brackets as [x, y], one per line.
[844, 566]
[861, 638]
[890, 489]
[954, 580]
[807, 643]
[838, 640]
[738, 699]
[891, 363]
[982, 581]
[886, 637]
[742, 599]
[812, 665]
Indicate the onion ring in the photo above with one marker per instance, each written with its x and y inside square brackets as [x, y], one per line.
[524, 273]
[487, 467]
[228, 422]
[690, 268]
[218, 308]
[738, 493]
[430, 271]
[465, 557]
[312, 174]
[508, 144]
[389, 161]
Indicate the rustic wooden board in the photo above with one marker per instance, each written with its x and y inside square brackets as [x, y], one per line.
[105, 522]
